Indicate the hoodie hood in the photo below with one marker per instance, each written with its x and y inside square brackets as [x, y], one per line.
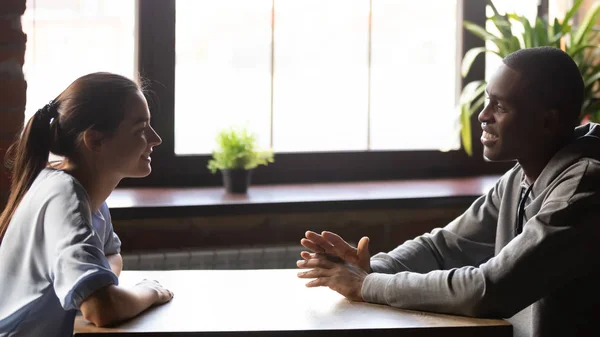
[586, 144]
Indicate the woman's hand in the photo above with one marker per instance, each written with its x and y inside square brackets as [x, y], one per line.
[163, 295]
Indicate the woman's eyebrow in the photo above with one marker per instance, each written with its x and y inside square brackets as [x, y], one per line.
[141, 120]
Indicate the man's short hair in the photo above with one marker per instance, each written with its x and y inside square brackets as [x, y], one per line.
[551, 77]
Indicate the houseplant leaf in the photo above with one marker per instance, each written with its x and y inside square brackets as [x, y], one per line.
[471, 91]
[477, 105]
[586, 24]
[589, 81]
[541, 32]
[569, 15]
[502, 24]
[465, 131]
[236, 149]
[485, 35]
[469, 58]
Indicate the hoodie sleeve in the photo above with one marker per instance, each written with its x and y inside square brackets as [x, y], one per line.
[549, 253]
[466, 241]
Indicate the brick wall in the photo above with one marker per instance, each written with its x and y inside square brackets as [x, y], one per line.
[12, 83]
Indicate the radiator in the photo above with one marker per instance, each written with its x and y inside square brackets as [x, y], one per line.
[267, 257]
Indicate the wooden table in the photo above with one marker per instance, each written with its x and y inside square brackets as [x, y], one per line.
[275, 303]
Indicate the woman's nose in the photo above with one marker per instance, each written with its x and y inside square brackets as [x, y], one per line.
[154, 138]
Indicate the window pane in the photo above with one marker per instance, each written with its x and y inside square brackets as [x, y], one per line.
[528, 8]
[223, 71]
[320, 75]
[414, 75]
[70, 38]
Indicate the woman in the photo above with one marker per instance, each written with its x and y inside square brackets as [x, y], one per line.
[58, 252]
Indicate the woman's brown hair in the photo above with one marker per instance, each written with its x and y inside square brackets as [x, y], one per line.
[95, 101]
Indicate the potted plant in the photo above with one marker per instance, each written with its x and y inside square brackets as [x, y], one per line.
[236, 156]
[581, 43]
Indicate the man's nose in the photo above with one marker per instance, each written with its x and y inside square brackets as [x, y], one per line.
[485, 115]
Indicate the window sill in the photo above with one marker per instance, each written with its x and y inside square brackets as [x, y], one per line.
[132, 203]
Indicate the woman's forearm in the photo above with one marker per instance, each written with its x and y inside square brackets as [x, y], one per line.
[114, 304]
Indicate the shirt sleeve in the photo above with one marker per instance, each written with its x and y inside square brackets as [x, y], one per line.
[113, 243]
[549, 253]
[468, 240]
[78, 266]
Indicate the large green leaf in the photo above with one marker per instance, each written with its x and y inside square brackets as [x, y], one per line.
[515, 44]
[587, 24]
[487, 36]
[465, 131]
[555, 40]
[528, 37]
[471, 91]
[541, 33]
[589, 81]
[469, 58]
[574, 53]
[494, 9]
[503, 25]
[589, 65]
[477, 105]
[572, 11]
[479, 31]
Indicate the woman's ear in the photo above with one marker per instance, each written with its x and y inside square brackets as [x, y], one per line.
[92, 140]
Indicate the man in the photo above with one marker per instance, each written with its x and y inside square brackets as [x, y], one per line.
[528, 249]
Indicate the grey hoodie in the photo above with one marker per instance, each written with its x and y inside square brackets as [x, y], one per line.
[480, 265]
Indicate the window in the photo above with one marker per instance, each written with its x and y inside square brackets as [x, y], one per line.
[414, 77]
[223, 70]
[70, 38]
[250, 61]
[378, 80]
[317, 75]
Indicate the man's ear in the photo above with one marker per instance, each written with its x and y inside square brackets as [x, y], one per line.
[92, 140]
[552, 121]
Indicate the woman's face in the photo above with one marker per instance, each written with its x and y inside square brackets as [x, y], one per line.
[128, 149]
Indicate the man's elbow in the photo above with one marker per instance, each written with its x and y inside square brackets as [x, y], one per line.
[489, 308]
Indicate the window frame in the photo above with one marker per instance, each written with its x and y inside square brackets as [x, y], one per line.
[156, 64]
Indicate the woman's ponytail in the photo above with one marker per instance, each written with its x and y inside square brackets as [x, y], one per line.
[26, 158]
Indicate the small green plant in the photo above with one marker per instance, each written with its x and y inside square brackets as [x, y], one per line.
[237, 150]
[581, 43]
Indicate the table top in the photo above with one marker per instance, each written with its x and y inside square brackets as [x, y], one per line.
[275, 302]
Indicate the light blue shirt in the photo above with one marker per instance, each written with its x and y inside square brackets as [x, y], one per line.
[52, 257]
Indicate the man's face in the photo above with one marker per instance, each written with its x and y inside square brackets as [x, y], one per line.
[511, 123]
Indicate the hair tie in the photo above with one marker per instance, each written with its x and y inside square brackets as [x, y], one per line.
[49, 111]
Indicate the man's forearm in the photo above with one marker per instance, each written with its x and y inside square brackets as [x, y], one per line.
[116, 263]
